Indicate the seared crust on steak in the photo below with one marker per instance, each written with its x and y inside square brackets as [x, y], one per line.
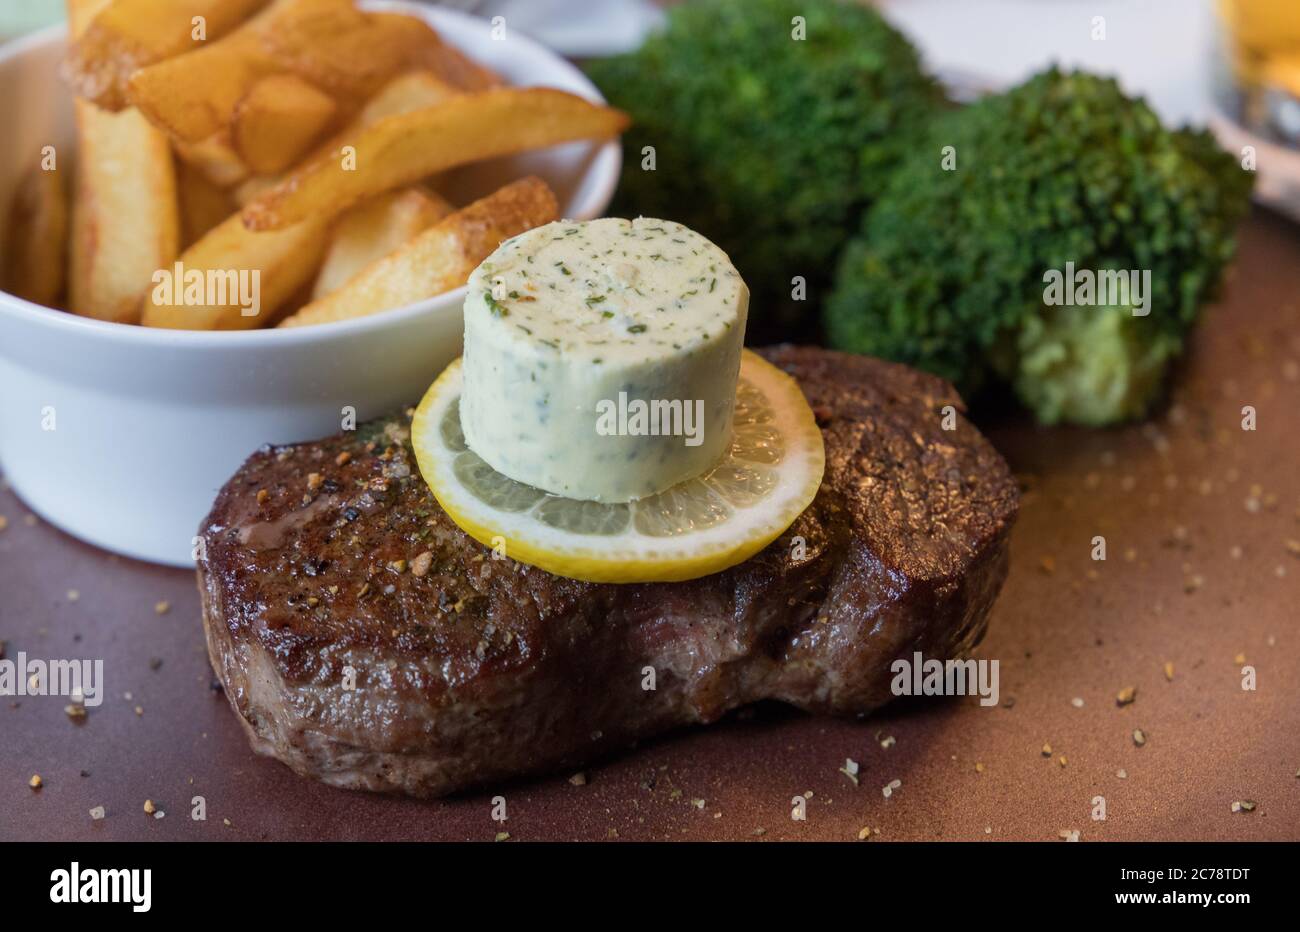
[354, 658]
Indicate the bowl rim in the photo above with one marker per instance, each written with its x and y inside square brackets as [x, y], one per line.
[24, 311]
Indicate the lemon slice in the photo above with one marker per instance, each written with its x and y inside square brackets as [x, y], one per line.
[767, 478]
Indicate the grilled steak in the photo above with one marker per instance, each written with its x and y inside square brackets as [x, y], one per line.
[365, 640]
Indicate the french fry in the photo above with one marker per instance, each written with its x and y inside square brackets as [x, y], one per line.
[240, 280]
[439, 259]
[252, 188]
[354, 62]
[193, 95]
[277, 121]
[130, 34]
[374, 229]
[35, 254]
[125, 221]
[216, 158]
[287, 259]
[402, 94]
[203, 204]
[347, 53]
[400, 150]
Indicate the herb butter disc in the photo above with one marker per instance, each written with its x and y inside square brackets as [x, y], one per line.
[601, 358]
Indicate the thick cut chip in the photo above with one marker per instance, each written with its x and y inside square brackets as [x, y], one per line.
[374, 229]
[440, 258]
[36, 240]
[345, 52]
[234, 279]
[216, 158]
[203, 204]
[278, 120]
[406, 148]
[125, 220]
[128, 35]
[194, 95]
[286, 262]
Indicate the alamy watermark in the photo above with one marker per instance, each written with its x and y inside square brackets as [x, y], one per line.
[1100, 288]
[657, 418]
[77, 679]
[240, 288]
[76, 884]
[921, 677]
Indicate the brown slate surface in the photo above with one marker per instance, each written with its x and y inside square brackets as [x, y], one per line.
[1173, 498]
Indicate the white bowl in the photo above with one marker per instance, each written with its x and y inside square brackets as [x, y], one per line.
[149, 424]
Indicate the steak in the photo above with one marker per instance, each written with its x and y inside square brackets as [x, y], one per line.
[365, 640]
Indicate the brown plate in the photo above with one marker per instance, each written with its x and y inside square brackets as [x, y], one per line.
[1202, 523]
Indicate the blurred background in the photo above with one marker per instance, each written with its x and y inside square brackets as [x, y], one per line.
[1160, 48]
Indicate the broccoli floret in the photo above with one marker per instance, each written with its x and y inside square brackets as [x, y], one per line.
[1088, 365]
[768, 144]
[948, 271]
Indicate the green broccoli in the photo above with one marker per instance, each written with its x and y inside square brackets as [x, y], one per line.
[948, 273]
[768, 144]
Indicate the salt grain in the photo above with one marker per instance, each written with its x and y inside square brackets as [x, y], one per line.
[850, 770]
